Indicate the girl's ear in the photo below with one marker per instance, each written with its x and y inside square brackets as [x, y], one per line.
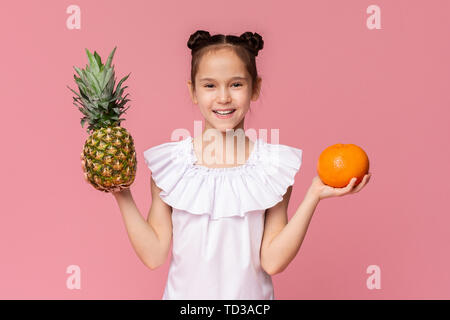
[256, 89]
[191, 92]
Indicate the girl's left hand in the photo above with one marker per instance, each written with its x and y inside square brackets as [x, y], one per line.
[324, 191]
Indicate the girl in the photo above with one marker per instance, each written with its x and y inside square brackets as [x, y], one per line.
[229, 222]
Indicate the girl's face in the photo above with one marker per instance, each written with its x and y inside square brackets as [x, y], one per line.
[222, 82]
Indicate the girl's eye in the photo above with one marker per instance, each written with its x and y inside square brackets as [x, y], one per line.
[208, 85]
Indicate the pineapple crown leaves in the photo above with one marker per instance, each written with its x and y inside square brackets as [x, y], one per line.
[97, 100]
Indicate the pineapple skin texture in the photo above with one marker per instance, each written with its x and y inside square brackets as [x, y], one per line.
[110, 159]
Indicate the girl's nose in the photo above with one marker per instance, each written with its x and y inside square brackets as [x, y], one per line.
[224, 97]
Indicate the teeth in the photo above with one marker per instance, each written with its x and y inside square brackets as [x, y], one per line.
[223, 112]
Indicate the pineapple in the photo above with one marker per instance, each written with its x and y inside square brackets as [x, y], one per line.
[109, 155]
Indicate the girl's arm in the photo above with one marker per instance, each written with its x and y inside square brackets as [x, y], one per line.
[150, 239]
[282, 240]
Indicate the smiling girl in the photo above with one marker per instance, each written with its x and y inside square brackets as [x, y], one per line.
[228, 221]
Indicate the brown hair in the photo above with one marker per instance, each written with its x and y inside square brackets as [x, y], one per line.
[246, 46]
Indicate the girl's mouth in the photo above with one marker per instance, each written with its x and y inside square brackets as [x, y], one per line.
[224, 113]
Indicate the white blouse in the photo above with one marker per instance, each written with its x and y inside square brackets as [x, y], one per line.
[218, 218]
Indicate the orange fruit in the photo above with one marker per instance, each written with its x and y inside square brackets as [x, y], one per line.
[339, 163]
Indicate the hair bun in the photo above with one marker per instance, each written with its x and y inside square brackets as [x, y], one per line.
[198, 38]
[253, 40]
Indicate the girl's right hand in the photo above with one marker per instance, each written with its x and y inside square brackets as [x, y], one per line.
[83, 167]
[121, 193]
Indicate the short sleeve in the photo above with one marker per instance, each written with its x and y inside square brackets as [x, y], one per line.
[168, 163]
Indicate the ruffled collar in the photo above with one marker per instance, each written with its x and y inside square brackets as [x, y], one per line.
[254, 186]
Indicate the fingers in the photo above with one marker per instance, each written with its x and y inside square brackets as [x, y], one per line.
[83, 167]
[84, 172]
[361, 185]
[83, 162]
[349, 187]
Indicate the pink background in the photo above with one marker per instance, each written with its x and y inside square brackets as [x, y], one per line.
[327, 79]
